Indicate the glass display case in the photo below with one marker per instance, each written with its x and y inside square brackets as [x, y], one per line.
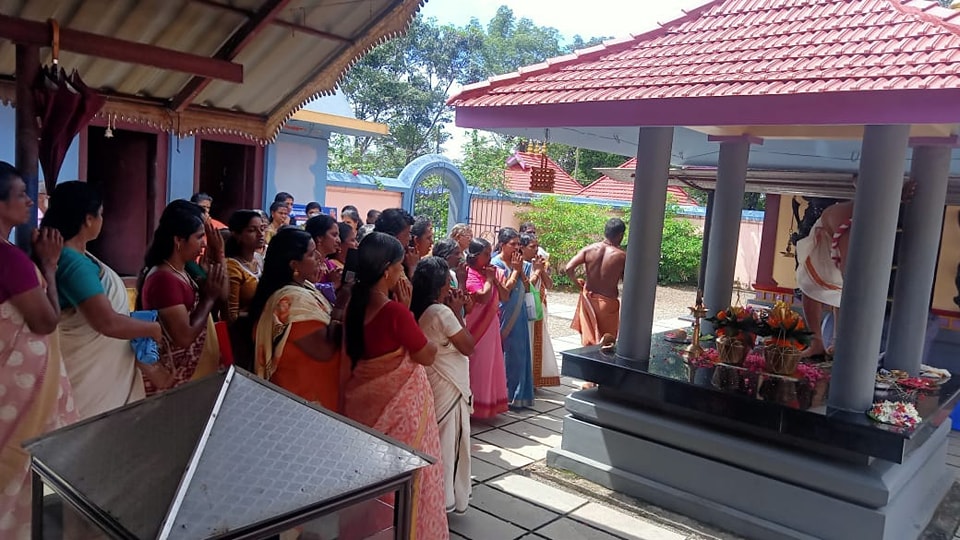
[230, 456]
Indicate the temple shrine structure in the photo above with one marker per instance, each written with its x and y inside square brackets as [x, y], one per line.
[834, 98]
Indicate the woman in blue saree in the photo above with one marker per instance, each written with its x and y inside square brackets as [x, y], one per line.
[514, 327]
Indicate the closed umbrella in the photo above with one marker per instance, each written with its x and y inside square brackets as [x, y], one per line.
[64, 105]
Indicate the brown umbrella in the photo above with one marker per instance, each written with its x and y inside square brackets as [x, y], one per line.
[65, 105]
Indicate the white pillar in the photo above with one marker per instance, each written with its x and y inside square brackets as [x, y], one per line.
[917, 266]
[725, 224]
[646, 235]
[867, 273]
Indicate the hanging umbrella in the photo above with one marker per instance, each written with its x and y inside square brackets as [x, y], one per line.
[64, 106]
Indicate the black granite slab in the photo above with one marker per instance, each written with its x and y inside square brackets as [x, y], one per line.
[665, 385]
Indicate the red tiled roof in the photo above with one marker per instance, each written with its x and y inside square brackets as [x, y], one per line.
[615, 190]
[518, 175]
[750, 48]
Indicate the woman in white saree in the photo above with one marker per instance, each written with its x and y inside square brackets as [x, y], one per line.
[438, 310]
[545, 369]
[95, 326]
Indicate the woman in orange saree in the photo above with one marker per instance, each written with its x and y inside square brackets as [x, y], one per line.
[35, 394]
[388, 389]
[292, 349]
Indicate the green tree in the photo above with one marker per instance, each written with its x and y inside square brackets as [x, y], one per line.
[564, 228]
[511, 43]
[432, 200]
[484, 159]
[405, 83]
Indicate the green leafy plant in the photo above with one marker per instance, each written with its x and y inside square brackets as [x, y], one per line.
[564, 228]
[679, 250]
[432, 200]
[680, 247]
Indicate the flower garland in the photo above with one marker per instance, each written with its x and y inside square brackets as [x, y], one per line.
[895, 413]
[810, 374]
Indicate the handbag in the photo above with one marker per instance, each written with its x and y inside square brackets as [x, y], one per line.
[534, 305]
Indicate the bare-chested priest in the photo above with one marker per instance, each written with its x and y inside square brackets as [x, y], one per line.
[598, 309]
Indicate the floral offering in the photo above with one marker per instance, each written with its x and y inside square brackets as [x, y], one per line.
[755, 362]
[810, 374]
[707, 359]
[785, 328]
[895, 413]
[735, 322]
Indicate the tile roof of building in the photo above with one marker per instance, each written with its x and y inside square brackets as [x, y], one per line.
[614, 190]
[750, 48]
[517, 174]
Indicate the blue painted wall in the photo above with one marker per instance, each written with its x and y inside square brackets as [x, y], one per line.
[297, 165]
[8, 124]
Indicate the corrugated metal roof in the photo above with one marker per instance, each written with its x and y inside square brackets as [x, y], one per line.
[301, 54]
[750, 48]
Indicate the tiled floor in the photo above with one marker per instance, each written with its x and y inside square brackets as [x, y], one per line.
[507, 504]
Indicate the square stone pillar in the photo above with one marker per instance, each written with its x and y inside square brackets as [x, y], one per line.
[867, 273]
[725, 223]
[917, 266]
[646, 234]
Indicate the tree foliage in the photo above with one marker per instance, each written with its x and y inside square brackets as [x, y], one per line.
[484, 156]
[406, 82]
[564, 228]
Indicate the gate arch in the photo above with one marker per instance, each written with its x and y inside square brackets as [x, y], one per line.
[458, 210]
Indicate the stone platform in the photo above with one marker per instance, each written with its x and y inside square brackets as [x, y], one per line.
[756, 468]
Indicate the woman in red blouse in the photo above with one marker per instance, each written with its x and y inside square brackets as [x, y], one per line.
[388, 389]
[183, 306]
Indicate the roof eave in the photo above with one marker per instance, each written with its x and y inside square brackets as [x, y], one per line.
[872, 107]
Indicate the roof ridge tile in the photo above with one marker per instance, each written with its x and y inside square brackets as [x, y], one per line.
[750, 47]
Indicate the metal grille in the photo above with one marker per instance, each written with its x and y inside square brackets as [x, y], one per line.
[431, 199]
[487, 215]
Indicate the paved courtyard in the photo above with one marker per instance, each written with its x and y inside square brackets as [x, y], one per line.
[511, 501]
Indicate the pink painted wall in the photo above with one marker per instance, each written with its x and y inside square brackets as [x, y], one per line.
[363, 199]
[748, 249]
[487, 215]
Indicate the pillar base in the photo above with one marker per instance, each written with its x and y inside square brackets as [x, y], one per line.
[750, 488]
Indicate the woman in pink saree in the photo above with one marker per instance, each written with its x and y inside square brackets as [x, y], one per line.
[488, 373]
[388, 389]
[35, 394]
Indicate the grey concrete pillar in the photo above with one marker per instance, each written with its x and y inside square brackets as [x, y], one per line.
[725, 225]
[867, 272]
[917, 266]
[646, 235]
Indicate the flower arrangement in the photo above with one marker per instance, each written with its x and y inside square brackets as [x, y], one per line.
[810, 374]
[895, 413]
[735, 322]
[784, 328]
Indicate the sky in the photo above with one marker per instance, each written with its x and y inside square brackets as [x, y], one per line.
[616, 18]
